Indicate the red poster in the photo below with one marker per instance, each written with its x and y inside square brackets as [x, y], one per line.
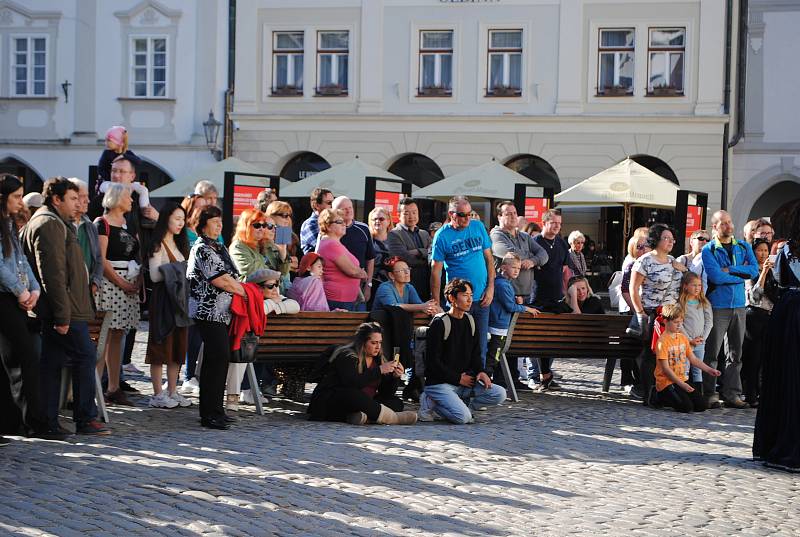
[694, 219]
[389, 201]
[535, 208]
[244, 197]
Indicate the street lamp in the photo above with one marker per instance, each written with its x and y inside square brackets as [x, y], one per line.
[211, 128]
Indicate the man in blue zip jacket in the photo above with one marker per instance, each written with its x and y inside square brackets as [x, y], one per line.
[728, 264]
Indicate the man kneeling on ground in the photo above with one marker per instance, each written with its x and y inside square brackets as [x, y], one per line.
[456, 382]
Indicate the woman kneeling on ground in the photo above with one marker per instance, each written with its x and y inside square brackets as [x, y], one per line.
[358, 386]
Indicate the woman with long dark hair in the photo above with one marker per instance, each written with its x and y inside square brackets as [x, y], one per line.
[777, 434]
[359, 385]
[19, 291]
[168, 336]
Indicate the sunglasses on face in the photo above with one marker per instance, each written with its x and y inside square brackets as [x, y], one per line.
[264, 225]
[284, 215]
[380, 219]
[268, 285]
[641, 246]
[703, 239]
[460, 214]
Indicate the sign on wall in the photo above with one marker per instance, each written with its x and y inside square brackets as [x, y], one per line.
[694, 219]
[535, 208]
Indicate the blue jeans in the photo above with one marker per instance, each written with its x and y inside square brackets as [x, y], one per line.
[697, 373]
[335, 304]
[451, 401]
[76, 350]
[481, 316]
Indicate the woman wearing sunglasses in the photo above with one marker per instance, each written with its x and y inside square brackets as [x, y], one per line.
[276, 249]
[693, 260]
[342, 275]
[380, 223]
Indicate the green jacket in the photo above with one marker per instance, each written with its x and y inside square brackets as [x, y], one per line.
[246, 259]
[53, 251]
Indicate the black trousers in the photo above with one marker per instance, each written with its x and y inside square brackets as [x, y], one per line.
[756, 322]
[646, 361]
[213, 374]
[494, 354]
[21, 401]
[344, 401]
[682, 401]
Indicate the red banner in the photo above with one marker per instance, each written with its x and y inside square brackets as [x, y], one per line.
[389, 201]
[535, 208]
[244, 197]
[694, 219]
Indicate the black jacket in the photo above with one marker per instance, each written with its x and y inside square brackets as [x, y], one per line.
[445, 361]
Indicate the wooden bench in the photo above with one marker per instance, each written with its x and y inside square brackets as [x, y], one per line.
[98, 332]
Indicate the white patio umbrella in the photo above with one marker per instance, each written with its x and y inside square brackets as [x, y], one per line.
[345, 179]
[490, 180]
[216, 174]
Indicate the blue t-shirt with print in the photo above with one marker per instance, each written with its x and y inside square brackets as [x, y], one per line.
[461, 251]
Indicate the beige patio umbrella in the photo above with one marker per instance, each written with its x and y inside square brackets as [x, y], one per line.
[216, 174]
[490, 180]
[345, 179]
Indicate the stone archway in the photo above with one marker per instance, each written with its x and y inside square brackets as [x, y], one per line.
[756, 186]
[31, 180]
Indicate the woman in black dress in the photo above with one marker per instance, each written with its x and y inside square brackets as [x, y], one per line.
[777, 434]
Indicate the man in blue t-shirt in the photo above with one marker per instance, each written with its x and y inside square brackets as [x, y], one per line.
[463, 247]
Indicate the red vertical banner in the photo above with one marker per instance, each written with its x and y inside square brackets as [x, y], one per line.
[535, 208]
[694, 217]
[390, 201]
[244, 197]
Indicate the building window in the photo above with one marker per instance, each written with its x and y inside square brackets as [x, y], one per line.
[436, 63]
[29, 66]
[666, 52]
[332, 62]
[149, 67]
[505, 63]
[615, 63]
[287, 63]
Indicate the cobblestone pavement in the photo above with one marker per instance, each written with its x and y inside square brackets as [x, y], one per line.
[571, 463]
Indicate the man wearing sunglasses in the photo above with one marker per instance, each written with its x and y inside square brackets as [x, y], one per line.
[463, 247]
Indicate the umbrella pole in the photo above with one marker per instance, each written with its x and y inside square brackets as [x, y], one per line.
[626, 228]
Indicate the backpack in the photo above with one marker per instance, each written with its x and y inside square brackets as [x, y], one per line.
[420, 344]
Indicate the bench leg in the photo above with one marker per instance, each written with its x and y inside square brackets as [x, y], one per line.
[611, 364]
[251, 377]
[99, 397]
[510, 388]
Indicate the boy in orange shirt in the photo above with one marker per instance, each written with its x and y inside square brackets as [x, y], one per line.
[673, 358]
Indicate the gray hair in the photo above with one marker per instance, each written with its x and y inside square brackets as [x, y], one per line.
[575, 235]
[80, 183]
[205, 188]
[455, 201]
[114, 195]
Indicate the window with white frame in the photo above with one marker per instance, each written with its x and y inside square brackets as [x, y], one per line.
[436, 63]
[149, 67]
[29, 66]
[287, 63]
[666, 54]
[505, 63]
[615, 62]
[333, 55]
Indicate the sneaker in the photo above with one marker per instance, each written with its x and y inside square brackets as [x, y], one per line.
[713, 401]
[117, 398]
[634, 332]
[357, 418]
[269, 390]
[125, 387]
[556, 374]
[190, 387]
[162, 400]
[93, 427]
[635, 393]
[246, 397]
[182, 401]
[132, 369]
[736, 403]
[50, 434]
[548, 385]
[3, 441]
[426, 405]
[652, 398]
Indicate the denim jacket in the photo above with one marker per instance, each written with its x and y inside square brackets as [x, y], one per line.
[15, 265]
[726, 289]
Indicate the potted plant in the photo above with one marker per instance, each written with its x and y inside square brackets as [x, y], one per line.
[331, 90]
[435, 91]
[287, 90]
[617, 91]
[666, 90]
[505, 91]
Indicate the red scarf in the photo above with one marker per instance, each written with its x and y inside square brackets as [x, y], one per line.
[247, 315]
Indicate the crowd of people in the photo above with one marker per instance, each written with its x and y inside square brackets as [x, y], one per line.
[709, 320]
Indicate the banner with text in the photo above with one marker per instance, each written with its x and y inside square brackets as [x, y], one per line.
[535, 208]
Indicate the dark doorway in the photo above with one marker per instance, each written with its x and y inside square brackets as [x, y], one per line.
[303, 165]
[536, 169]
[656, 165]
[422, 171]
[31, 180]
[781, 218]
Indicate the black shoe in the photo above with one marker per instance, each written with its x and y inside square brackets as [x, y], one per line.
[214, 423]
[125, 387]
[636, 393]
[49, 434]
[521, 386]
[411, 393]
[230, 419]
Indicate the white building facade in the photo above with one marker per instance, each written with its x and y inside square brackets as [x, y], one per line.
[565, 88]
[766, 163]
[70, 69]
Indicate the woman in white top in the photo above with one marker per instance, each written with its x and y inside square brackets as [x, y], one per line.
[167, 341]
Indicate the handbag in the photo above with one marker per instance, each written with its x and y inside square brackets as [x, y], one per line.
[246, 353]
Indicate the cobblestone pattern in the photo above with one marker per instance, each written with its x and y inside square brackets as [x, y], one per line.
[577, 462]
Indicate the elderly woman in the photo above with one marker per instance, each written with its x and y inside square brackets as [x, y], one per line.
[119, 293]
[399, 292]
[655, 282]
[279, 241]
[358, 386]
[213, 280]
[341, 275]
[380, 223]
[577, 261]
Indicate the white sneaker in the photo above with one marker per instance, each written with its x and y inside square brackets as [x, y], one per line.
[425, 412]
[132, 369]
[246, 397]
[181, 400]
[162, 400]
[190, 387]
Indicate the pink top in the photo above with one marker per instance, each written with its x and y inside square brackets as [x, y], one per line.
[338, 286]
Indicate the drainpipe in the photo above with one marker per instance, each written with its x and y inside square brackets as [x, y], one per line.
[741, 69]
[227, 148]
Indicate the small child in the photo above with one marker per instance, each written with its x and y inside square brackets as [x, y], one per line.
[503, 307]
[673, 357]
[698, 317]
[307, 287]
